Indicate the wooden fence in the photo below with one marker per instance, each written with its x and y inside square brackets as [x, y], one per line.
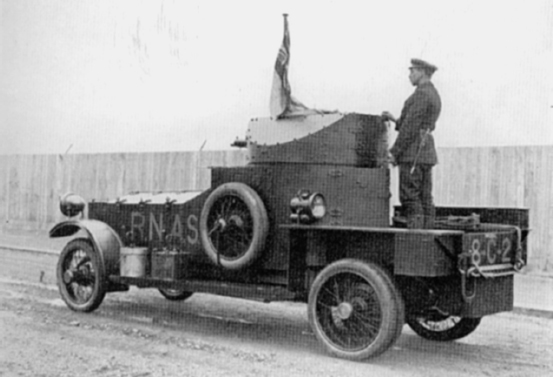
[503, 177]
[30, 185]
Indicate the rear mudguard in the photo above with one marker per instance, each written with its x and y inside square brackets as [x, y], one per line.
[104, 239]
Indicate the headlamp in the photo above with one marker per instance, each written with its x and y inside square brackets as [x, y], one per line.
[307, 207]
[71, 204]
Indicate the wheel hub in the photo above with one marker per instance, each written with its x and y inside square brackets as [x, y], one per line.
[236, 220]
[67, 277]
[344, 310]
[221, 224]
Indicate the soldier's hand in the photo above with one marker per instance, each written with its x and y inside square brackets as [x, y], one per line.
[386, 115]
[391, 159]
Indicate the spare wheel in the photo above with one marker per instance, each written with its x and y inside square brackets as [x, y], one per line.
[233, 226]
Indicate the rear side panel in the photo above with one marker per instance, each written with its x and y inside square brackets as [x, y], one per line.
[426, 253]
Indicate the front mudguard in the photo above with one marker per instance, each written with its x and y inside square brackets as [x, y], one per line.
[104, 239]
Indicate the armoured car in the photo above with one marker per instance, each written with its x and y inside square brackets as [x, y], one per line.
[309, 219]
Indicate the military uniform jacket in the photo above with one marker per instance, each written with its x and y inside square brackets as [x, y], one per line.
[419, 114]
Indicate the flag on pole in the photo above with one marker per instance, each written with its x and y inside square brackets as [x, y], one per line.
[282, 103]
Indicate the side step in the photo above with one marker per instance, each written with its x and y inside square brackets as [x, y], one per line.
[260, 292]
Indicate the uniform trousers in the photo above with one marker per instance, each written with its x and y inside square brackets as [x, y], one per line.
[415, 195]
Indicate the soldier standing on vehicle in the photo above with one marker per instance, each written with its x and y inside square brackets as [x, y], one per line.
[414, 149]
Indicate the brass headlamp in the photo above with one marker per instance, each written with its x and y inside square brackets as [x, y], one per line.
[307, 207]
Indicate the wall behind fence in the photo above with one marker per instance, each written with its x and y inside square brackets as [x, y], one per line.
[30, 185]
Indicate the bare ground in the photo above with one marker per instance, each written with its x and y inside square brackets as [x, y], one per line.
[139, 334]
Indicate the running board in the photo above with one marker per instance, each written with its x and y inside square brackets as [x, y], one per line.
[259, 292]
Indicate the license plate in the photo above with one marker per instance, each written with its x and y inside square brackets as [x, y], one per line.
[491, 248]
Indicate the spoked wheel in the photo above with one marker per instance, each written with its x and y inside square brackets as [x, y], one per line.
[442, 328]
[80, 276]
[355, 310]
[233, 226]
[175, 294]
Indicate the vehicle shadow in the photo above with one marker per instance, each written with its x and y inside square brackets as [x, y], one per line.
[284, 325]
[208, 316]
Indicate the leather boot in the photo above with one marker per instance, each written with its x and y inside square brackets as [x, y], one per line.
[415, 222]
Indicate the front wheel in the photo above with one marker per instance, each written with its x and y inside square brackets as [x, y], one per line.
[355, 310]
[442, 328]
[175, 294]
[81, 278]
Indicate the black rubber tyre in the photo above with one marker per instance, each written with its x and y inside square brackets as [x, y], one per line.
[233, 226]
[81, 277]
[442, 328]
[175, 294]
[355, 310]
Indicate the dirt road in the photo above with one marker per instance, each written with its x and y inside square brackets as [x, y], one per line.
[139, 334]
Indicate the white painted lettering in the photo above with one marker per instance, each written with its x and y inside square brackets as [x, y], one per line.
[158, 226]
[137, 222]
[176, 231]
[192, 223]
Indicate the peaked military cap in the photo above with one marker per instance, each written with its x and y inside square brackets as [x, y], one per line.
[418, 63]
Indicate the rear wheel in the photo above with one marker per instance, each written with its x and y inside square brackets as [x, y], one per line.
[175, 294]
[442, 328]
[355, 310]
[81, 278]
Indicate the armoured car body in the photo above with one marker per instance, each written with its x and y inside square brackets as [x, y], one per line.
[307, 219]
